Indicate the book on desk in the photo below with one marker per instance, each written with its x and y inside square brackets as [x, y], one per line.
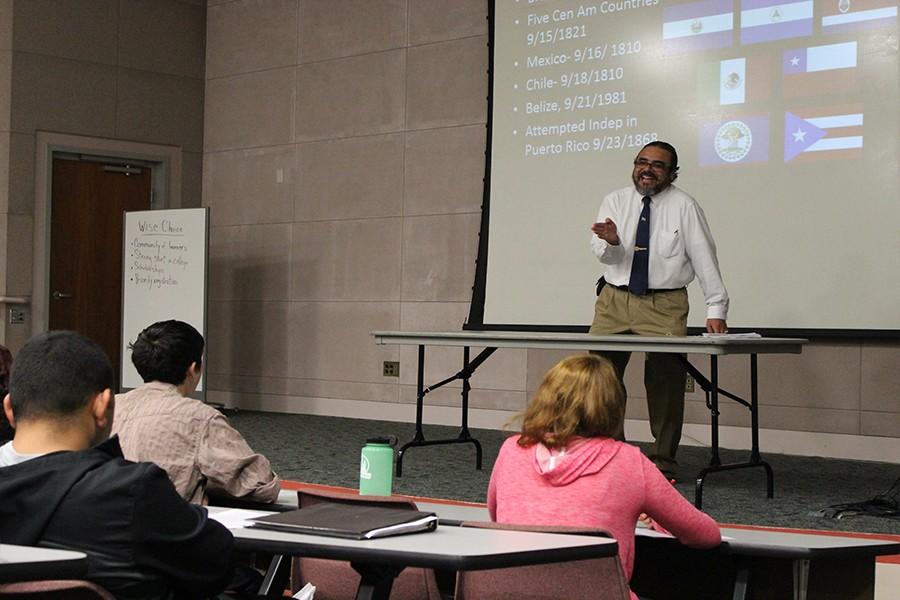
[349, 521]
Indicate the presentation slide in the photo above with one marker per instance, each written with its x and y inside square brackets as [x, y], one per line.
[785, 117]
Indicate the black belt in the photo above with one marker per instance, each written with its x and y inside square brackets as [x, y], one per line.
[624, 288]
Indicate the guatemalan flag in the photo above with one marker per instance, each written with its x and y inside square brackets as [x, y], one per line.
[852, 15]
[698, 26]
[819, 69]
[823, 133]
[768, 20]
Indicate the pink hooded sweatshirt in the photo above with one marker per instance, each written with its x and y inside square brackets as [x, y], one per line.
[594, 482]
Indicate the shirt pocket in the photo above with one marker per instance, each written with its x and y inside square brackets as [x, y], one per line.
[670, 244]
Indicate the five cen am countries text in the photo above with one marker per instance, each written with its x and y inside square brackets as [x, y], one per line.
[558, 15]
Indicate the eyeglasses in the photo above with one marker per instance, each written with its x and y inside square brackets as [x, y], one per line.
[657, 165]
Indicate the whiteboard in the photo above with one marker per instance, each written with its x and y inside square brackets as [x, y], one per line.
[164, 273]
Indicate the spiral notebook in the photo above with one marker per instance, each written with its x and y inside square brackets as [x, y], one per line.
[353, 521]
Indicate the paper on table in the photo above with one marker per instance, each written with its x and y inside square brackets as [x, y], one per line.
[733, 335]
[236, 518]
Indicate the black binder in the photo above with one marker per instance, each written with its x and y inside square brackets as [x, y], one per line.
[353, 521]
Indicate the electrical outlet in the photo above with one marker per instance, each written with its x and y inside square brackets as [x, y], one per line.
[16, 315]
[391, 368]
[689, 385]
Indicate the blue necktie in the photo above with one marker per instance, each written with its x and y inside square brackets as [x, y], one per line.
[640, 276]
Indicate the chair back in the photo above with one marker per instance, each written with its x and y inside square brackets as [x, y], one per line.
[591, 579]
[54, 589]
[336, 580]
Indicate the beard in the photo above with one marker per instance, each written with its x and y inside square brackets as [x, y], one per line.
[651, 186]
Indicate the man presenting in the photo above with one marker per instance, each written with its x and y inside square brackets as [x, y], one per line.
[653, 239]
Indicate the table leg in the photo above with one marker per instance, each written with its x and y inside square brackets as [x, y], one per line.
[375, 581]
[741, 578]
[801, 578]
[464, 436]
[276, 578]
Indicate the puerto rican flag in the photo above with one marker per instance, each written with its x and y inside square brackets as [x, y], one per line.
[698, 26]
[823, 134]
[769, 20]
[819, 69]
[839, 16]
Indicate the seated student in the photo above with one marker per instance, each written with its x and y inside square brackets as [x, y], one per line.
[565, 468]
[65, 485]
[192, 441]
[6, 431]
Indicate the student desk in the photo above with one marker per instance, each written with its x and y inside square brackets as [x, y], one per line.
[714, 346]
[451, 548]
[28, 563]
[757, 563]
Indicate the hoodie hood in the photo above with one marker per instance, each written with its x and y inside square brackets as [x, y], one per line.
[582, 456]
[35, 488]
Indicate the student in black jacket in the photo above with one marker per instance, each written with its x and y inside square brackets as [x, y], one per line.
[65, 485]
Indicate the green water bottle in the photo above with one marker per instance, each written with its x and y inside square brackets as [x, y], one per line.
[376, 467]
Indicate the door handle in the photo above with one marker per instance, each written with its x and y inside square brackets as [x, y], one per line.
[57, 295]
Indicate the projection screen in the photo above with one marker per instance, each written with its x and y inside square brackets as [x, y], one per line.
[785, 116]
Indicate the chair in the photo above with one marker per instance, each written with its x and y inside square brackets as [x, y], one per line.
[54, 589]
[336, 580]
[594, 579]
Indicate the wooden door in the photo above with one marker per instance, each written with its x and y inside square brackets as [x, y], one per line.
[88, 201]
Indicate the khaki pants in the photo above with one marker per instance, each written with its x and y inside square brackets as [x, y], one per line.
[656, 314]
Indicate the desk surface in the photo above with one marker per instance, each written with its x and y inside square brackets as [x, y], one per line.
[26, 563]
[453, 548]
[718, 345]
[737, 541]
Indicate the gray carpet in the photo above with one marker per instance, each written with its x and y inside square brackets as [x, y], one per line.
[326, 450]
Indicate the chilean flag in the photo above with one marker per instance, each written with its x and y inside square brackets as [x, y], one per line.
[823, 133]
[769, 20]
[819, 69]
[840, 16]
[698, 26]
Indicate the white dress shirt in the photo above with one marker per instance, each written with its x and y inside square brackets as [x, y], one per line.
[681, 245]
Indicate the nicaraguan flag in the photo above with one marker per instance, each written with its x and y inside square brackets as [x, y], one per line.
[698, 26]
[823, 136]
[852, 15]
[736, 141]
[819, 69]
[768, 20]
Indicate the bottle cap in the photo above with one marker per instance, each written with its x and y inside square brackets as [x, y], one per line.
[388, 440]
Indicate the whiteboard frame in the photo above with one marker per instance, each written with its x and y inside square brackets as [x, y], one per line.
[127, 374]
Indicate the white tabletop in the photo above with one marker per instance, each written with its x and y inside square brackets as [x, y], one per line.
[447, 547]
[736, 540]
[23, 563]
[698, 344]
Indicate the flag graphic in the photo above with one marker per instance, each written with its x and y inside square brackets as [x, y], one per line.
[739, 80]
[741, 140]
[825, 136]
[840, 16]
[732, 81]
[819, 69]
[768, 20]
[698, 26]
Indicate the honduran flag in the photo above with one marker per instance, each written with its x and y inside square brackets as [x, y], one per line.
[839, 16]
[829, 133]
[698, 26]
[768, 20]
[819, 69]
[736, 141]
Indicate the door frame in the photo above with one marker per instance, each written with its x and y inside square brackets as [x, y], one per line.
[165, 160]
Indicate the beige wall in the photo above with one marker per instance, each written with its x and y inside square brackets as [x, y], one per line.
[343, 159]
[118, 69]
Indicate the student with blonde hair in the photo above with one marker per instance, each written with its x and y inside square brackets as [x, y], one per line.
[566, 468]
